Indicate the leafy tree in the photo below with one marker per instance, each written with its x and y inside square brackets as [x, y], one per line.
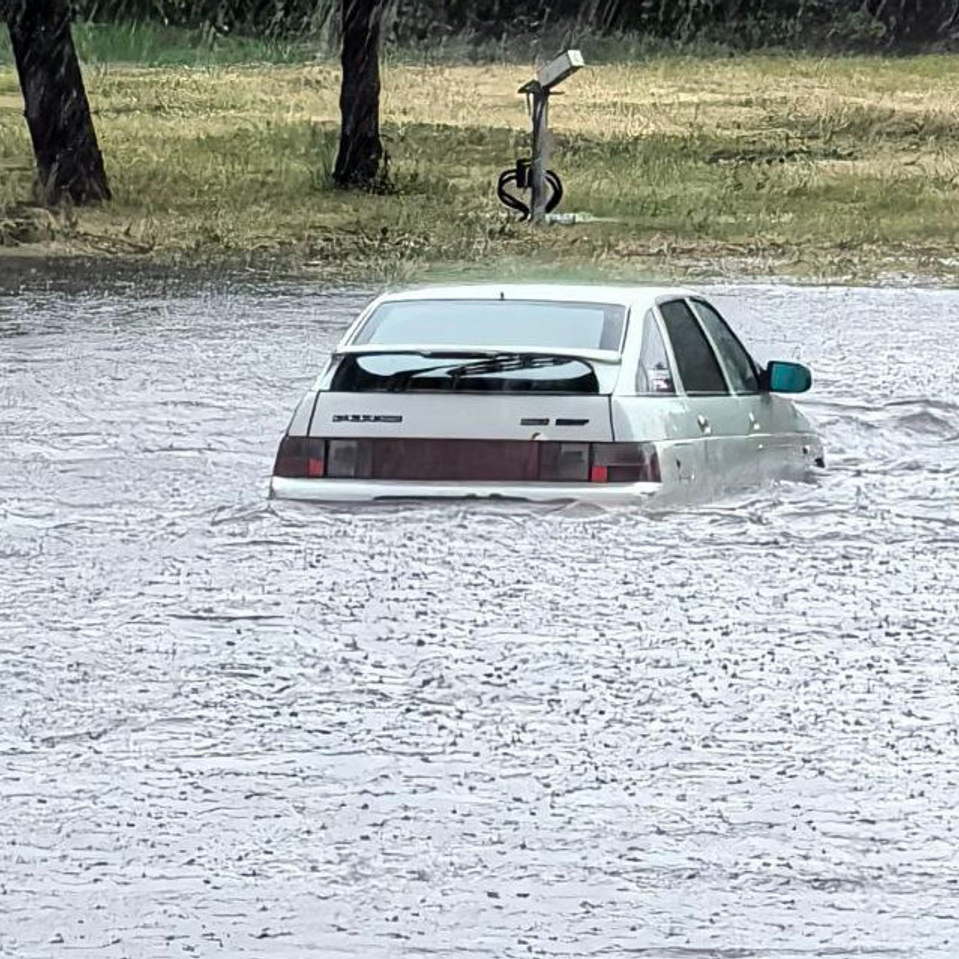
[915, 23]
[905, 24]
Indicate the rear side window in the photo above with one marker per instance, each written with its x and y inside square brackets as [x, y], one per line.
[653, 374]
[695, 359]
[738, 363]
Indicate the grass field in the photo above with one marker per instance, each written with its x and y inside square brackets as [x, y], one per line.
[818, 168]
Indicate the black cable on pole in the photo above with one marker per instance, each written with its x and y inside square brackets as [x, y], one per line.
[519, 175]
[507, 198]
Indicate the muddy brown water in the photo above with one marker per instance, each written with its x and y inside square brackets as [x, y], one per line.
[236, 728]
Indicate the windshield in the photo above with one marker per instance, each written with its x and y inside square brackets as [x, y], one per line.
[543, 324]
[465, 372]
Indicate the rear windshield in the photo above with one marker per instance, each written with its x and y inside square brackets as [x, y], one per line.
[541, 324]
[497, 373]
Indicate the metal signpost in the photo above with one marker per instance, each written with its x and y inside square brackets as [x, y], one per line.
[544, 185]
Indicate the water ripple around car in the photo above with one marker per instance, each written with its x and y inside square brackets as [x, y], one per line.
[269, 729]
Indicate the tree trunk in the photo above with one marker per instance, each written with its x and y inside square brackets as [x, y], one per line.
[69, 162]
[359, 159]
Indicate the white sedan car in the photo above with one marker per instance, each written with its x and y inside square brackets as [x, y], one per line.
[545, 393]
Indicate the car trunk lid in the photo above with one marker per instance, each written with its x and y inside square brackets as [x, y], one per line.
[463, 416]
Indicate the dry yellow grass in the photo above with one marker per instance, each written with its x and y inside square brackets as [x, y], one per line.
[822, 167]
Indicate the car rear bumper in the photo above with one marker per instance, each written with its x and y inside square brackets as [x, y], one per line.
[365, 491]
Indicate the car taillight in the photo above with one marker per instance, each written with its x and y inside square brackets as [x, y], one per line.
[564, 462]
[300, 457]
[508, 461]
[348, 459]
[599, 463]
[624, 463]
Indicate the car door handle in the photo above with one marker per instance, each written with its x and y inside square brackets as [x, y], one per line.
[704, 426]
[754, 424]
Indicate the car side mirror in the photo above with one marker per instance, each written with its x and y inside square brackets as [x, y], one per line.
[782, 377]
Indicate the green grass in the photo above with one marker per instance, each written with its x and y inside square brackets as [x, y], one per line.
[816, 167]
[156, 45]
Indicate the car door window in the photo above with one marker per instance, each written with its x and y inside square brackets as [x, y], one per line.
[653, 374]
[695, 360]
[739, 365]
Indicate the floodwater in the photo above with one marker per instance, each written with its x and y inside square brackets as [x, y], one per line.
[236, 728]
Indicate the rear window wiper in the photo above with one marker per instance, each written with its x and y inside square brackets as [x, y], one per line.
[397, 381]
[498, 363]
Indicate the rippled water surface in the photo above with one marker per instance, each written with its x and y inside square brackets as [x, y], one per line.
[234, 728]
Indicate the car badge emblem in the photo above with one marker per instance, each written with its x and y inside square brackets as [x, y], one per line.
[366, 418]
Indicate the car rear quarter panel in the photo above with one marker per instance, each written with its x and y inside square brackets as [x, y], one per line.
[300, 423]
[650, 418]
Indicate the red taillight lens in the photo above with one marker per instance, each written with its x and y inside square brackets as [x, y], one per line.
[624, 463]
[300, 457]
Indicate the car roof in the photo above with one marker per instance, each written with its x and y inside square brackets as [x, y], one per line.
[642, 297]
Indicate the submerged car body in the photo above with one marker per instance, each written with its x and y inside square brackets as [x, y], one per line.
[543, 393]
